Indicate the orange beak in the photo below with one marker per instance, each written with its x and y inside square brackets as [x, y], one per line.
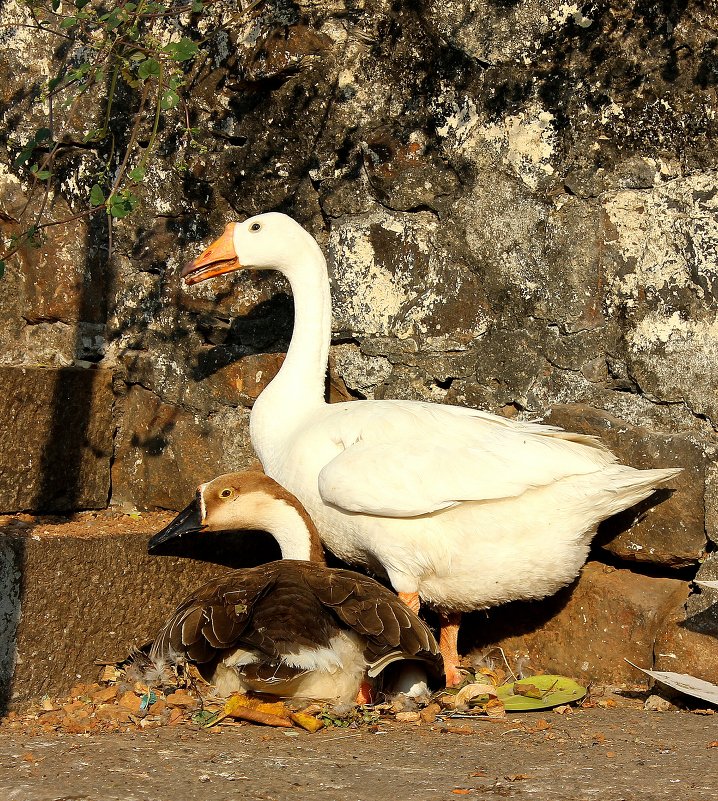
[219, 258]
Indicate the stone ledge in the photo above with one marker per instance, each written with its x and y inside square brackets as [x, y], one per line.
[67, 600]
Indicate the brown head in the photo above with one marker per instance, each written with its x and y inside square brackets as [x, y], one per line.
[244, 501]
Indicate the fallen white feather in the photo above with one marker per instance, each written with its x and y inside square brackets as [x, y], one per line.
[713, 585]
[685, 683]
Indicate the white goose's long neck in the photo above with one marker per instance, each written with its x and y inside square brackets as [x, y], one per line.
[299, 386]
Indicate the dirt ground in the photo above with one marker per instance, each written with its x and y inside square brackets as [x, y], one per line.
[614, 755]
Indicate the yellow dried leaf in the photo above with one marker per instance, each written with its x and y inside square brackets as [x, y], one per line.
[528, 690]
[307, 722]
[235, 702]
[429, 713]
[606, 703]
[494, 708]
[496, 675]
[181, 699]
[130, 701]
[104, 694]
[277, 708]
[472, 691]
[407, 717]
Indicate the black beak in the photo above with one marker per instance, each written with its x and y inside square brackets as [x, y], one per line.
[188, 521]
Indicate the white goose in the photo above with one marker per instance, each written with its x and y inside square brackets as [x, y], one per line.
[459, 508]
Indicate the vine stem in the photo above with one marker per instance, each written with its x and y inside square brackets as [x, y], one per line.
[132, 140]
[156, 124]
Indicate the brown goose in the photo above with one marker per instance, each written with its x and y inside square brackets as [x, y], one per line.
[292, 628]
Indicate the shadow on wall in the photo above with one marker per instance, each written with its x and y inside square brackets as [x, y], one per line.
[12, 552]
[66, 444]
[60, 484]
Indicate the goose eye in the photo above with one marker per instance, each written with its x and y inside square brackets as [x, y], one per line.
[255, 227]
[225, 493]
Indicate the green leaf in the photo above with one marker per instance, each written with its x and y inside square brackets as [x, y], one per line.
[204, 717]
[41, 175]
[97, 196]
[54, 82]
[148, 69]
[80, 4]
[197, 6]
[138, 174]
[2, 267]
[114, 19]
[42, 134]
[79, 72]
[553, 691]
[68, 22]
[170, 99]
[183, 50]
[55, 4]
[122, 204]
[23, 157]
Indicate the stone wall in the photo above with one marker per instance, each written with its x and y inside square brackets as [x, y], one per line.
[519, 205]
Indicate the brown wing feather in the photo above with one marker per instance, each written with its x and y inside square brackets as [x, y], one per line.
[378, 615]
[279, 607]
[213, 617]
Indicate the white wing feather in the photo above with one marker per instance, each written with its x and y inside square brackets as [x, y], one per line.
[404, 458]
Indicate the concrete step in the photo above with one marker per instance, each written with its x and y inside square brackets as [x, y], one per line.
[77, 590]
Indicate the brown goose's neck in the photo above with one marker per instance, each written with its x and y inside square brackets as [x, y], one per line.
[316, 549]
[293, 529]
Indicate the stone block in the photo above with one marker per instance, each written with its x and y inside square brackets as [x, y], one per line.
[688, 640]
[163, 452]
[668, 528]
[63, 277]
[72, 593]
[243, 380]
[585, 631]
[701, 613]
[55, 438]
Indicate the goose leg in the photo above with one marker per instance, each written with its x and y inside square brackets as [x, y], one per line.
[411, 599]
[364, 696]
[448, 646]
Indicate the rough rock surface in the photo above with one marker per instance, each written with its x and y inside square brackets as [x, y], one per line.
[518, 202]
[586, 630]
[56, 430]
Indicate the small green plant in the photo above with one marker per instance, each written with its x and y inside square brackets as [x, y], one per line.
[352, 718]
[133, 46]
